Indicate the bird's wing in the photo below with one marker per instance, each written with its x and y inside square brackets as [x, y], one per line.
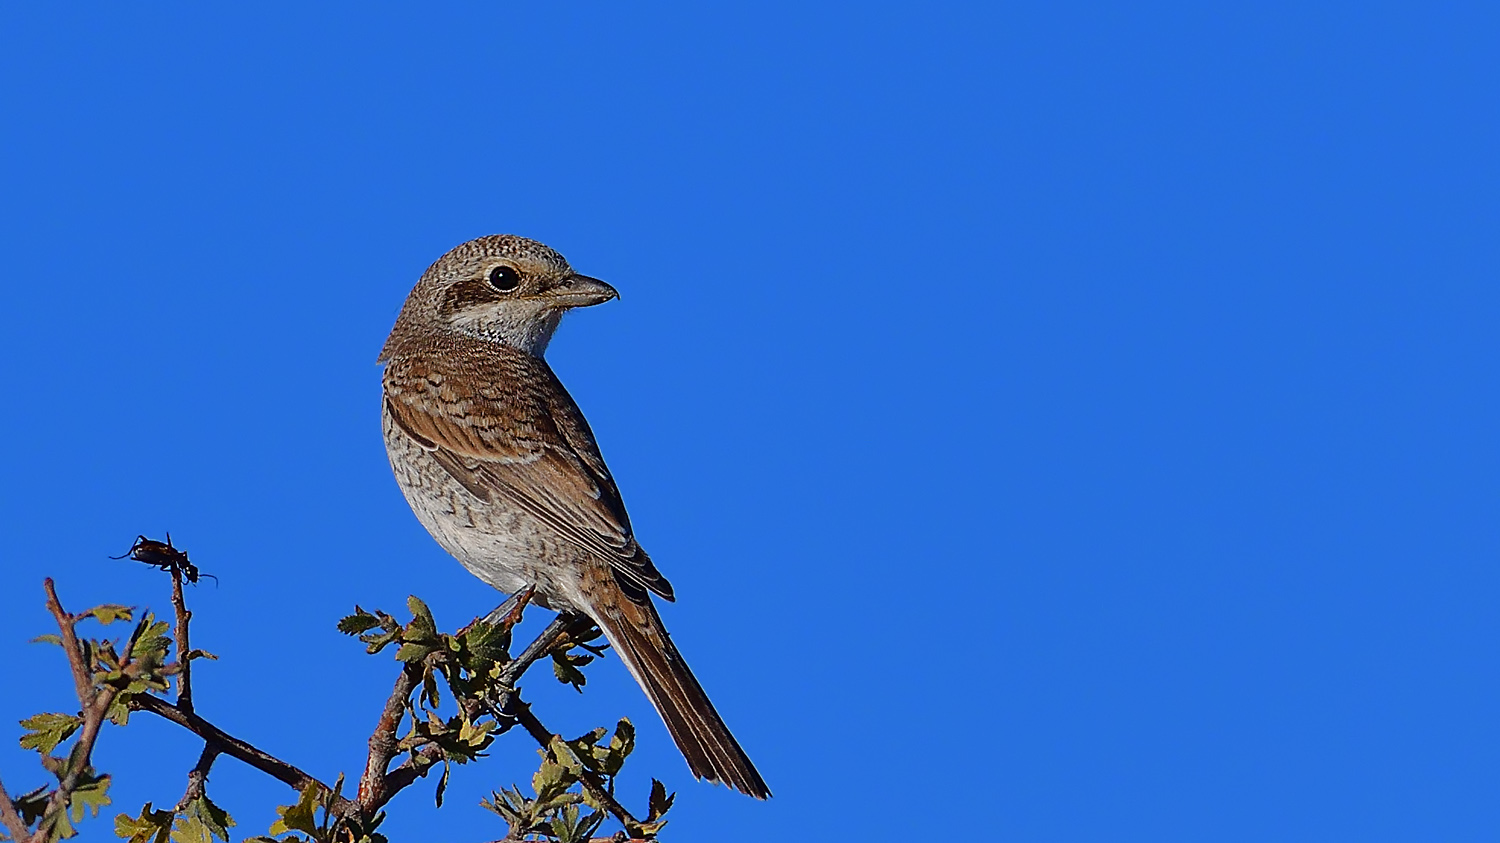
[501, 424]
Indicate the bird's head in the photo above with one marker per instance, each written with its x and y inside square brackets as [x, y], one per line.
[500, 288]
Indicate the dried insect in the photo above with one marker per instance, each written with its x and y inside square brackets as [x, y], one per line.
[166, 557]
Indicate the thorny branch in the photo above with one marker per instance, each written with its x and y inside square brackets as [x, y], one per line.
[378, 783]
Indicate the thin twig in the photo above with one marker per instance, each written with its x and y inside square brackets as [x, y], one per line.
[236, 748]
[198, 776]
[83, 683]
[11, 818]
[184, 660]
[555, 633]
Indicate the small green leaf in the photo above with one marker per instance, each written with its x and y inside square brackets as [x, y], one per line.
[551, 780]
[422, 626]
[442, 784]
[568, 827]
[659, 802]
[47, 730]
[202, 820]
[412, 652]
[150, 827]
[299, 817]
[358, 622]
[89, 795]
[109, 613]
[566, 671]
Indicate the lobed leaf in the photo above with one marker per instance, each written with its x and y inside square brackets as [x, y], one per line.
[47, 730]
[150, 827]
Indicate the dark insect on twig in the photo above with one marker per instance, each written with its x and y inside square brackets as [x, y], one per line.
[166, 557]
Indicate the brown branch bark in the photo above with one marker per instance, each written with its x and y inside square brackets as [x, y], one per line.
[375, 787]
[11, 818]
[83, 683]
[235, 748]
[185, 666]
[198, 776]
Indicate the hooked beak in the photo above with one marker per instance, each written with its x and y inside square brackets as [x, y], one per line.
[582, 291]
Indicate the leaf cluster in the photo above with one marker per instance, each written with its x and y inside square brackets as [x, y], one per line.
[312, 820]
[554, 813]
[468, 663]
[111, 673]
[197, 820]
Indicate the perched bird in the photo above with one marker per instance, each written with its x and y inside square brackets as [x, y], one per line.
[498, 464]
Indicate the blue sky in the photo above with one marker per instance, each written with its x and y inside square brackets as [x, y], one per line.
[1059, 421]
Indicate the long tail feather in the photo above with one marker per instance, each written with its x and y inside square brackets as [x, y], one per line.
[635, 631]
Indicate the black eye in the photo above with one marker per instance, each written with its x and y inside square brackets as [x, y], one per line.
[505, 278]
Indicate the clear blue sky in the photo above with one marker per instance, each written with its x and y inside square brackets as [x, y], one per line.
[1078, 422]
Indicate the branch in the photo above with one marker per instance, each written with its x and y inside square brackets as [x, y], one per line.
[198, 776]
[375, 787]
[590, 781]
[556, 633]
[83, 683]
[236, 748]
[184, 658]
[373, 793]
[93, 701]
[12, 819]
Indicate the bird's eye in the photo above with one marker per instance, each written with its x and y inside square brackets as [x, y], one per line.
[505, 278]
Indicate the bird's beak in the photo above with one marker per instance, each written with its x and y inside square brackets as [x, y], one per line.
[582, 291]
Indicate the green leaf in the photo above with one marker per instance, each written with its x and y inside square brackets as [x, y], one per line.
[109, 613]
[299, 817]
[551, 780]
[569, 827]
[486, 643]
[150, 641]
[358, 622]
[33, 805]
[659, 802]
[442, 784]
[422, 626]
[150, 827]
[564, 667]
[412, 652]
[202, 820]
[89, 795]
[47, 730]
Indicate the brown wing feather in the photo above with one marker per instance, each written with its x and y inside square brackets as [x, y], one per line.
[508, 427]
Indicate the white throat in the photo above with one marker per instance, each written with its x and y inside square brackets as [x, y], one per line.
[524, 326]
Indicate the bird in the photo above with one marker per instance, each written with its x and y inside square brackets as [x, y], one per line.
[498, 463]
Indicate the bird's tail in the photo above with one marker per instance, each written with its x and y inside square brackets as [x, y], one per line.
[635, 631]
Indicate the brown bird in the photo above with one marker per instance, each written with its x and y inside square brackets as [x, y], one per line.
[498, 464]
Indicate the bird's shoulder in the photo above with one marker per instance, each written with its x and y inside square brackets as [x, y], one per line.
[485, 400]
